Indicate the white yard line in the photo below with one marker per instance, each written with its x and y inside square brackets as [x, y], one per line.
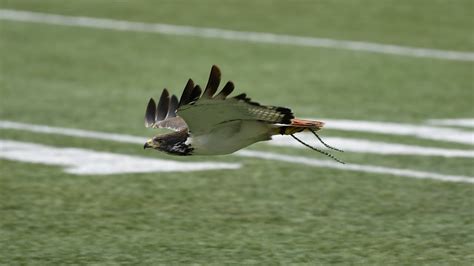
[425, 132]
[461, 122]
[368, 146]
[351, 145]
[355, 167]
[255, 37]
[73, 132]
[90, 162]
[245, 153]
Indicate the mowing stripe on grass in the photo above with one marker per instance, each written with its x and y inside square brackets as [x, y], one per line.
[89, 162]
[255, 37]
[245, 153]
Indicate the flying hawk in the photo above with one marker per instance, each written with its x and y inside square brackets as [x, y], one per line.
[206, 123]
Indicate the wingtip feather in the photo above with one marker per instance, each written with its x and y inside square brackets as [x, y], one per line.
[226, 91]
[150, 113]
[163, 104]
[188, 90]
[213, 82]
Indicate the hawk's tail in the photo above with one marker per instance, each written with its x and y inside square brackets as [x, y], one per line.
[299, 125]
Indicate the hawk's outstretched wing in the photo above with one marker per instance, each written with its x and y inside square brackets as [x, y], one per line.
[163, 115]
[203, 112]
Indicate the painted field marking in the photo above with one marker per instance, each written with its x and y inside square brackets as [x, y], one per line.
[354, 167]
[424, 132]
[73, 132]
[254, 37]
[90, 162]
[352, 145]
[368, 146]
[245, 153]
[460, 122]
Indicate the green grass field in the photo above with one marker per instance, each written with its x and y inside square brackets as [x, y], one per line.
[266, 212]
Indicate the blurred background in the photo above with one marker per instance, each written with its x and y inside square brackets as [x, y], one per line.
[393, 80]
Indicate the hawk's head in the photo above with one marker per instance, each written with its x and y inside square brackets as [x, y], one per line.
[172, 143]
[153, 143]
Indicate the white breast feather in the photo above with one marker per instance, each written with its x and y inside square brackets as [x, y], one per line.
[229, 137]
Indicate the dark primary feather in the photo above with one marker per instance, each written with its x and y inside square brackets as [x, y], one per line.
[212, 83]
[164, 115]
[173, 106]
[163, 104]
[228, 89]
[195, 94]
[150, 113]
[186, 95]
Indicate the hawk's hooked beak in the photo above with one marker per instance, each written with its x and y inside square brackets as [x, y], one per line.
[149, 144]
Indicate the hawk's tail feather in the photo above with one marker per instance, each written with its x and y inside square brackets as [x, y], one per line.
[313, 124]
[296, 125]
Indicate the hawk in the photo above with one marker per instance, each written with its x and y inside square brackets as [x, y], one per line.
[206, 123]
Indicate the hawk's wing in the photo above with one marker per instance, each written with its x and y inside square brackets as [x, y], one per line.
[163, 115]
[203, 112]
